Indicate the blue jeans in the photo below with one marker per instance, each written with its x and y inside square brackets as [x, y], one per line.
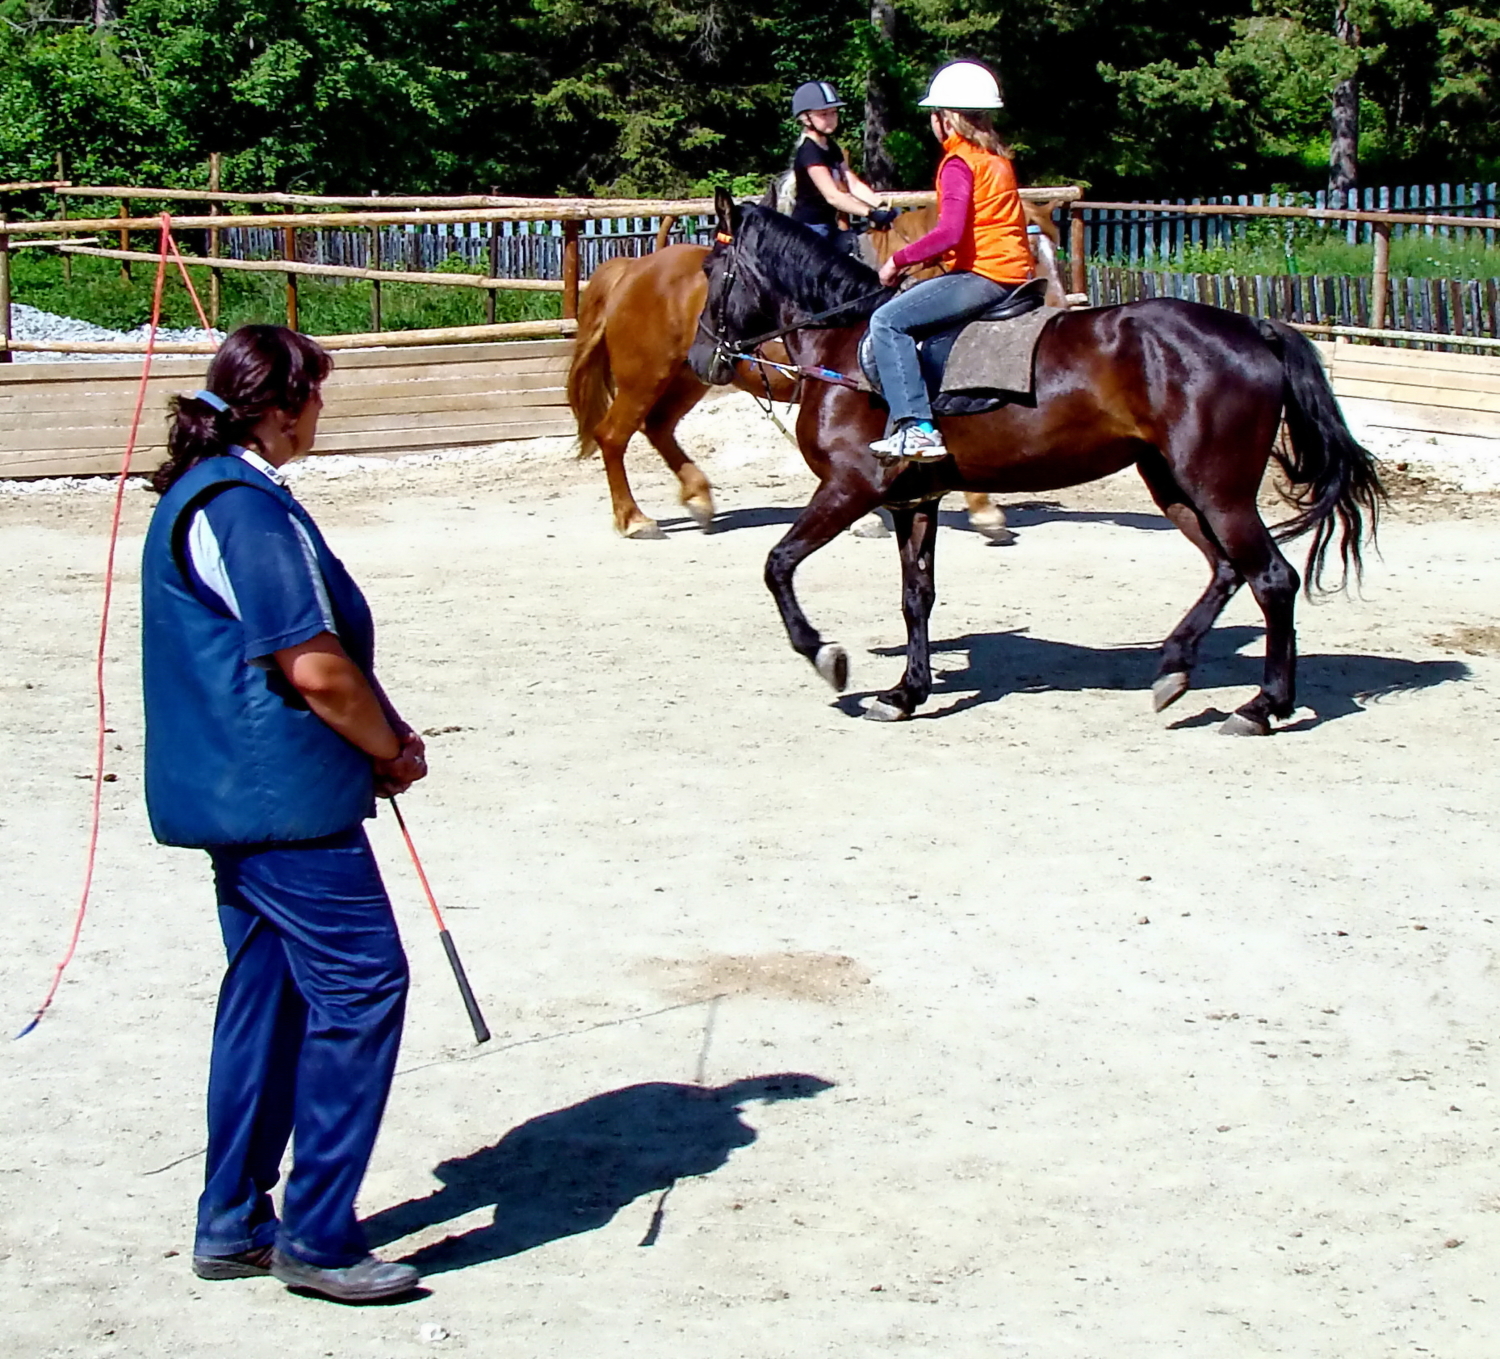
[933, 305]
[305, 1042]
[829, 231]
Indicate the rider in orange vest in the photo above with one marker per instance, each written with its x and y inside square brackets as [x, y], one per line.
[981, 239]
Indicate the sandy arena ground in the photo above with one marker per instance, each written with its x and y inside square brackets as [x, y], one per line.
[1039, 1026]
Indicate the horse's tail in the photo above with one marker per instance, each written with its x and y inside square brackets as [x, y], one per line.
[591, 384]
[1332, 475]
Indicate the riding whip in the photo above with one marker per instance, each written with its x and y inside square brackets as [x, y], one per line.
[481, 1029]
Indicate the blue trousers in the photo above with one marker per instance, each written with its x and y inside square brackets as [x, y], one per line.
[930, 306]
[305, 1043]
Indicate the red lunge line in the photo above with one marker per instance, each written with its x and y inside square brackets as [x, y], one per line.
[109, 581]
[417, 864]
[187, 282]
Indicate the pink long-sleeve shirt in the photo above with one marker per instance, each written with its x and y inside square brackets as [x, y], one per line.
[955, 206]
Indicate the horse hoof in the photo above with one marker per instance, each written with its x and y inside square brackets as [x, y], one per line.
[649, 532]
[881, 711]
[1237, 724]
[871, 526]
[999, 537]
[702, 512]
[1168, 689]
[832, 662]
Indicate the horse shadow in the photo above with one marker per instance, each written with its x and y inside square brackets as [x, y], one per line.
[1007, 663]
[1027, 514]
[1033, 513]
[572, 1170]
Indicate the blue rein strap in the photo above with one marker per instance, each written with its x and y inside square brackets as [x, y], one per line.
[801, 371]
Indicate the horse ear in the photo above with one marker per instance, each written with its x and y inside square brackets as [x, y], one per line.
[728, 214]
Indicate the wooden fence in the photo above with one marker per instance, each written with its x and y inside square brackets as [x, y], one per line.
[1441, 306]
[71, 419]
[1151, 233]
[1404, 391]
[514, 250]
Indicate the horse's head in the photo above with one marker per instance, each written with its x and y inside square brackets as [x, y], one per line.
[735, 308]
[767, 274]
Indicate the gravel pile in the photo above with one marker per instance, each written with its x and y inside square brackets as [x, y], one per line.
[31, 323]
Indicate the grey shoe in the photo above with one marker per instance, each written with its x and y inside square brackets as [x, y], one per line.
[911, 444]
[365, 1281]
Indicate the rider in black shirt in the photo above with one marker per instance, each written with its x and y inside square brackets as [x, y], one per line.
[825, 185]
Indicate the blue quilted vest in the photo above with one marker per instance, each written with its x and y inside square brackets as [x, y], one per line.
[234, 755]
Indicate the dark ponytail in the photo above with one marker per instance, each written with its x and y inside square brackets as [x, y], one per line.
[258, 369]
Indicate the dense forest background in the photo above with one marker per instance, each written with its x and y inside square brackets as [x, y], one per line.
[1131, 97]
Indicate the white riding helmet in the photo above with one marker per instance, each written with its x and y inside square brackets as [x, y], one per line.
[964, 85]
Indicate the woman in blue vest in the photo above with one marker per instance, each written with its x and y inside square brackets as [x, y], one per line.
[268, 739]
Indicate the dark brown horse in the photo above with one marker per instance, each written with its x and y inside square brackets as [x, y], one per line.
[629, 372]
[1192, 396]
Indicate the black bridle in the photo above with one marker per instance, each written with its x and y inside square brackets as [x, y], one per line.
[727, 352]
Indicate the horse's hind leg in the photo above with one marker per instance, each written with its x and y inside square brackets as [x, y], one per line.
[697, 496]
[835, 505]
[916, 528]
[1274, 582]
[1179, 653]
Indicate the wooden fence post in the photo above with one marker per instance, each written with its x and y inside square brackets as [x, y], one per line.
[570, 270]
[289, 254]
[62, 216]
[375, 285]
[1382, 281]
[1078, 266]
[124, 240]
[489, 296]
[4, 289]
[215, 276]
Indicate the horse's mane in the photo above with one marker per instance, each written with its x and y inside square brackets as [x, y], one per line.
[805, 269]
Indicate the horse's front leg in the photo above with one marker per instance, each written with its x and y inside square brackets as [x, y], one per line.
[916, 532]
[836, 504]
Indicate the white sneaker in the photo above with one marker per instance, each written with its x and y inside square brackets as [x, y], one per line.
[910, 443]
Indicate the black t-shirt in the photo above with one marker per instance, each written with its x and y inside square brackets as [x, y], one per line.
[810, 207]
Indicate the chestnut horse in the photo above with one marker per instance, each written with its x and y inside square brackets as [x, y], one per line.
[1190, 395]
[636, 321]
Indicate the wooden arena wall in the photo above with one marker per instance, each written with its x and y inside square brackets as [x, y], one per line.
[72, 419]
[1416, 391]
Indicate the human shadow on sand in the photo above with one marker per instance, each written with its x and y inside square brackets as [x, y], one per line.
[572, 1170]
[1001, 664]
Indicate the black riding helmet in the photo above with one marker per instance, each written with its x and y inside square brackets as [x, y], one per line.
[813, 95]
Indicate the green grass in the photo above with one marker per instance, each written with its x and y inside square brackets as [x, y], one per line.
[1270, 248]
[99, 294]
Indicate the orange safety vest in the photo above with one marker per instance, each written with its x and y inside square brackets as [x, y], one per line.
[994, 241]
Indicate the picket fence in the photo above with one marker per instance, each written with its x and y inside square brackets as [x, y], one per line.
[1131, 237]
[1439, 305]
[521, 249]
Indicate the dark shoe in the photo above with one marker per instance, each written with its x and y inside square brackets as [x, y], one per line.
[248, 1264]
[366, 1281]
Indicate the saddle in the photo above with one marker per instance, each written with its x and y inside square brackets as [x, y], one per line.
[983, 363]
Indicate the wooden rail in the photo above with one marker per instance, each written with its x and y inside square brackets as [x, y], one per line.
[541, 285]
[629, 207]
[384, 339]
[543, 211]
[1321, 214]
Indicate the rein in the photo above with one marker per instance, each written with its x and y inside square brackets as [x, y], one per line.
[723, 353]
[805, 321]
